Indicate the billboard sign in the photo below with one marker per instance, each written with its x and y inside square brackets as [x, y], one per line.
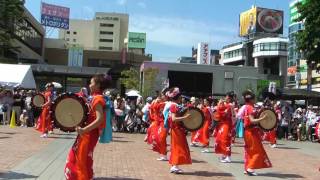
[55, 16]
[294, 15]
[75, 56]
[261, 20]
[248, 21]
[203, 53]
[137, 40]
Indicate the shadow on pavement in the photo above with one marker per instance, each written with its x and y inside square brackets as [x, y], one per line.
[279, 147]
[114, 178]
[279, 175]
[121, 141]
[5, 137]
[59, 137]
[16, 175]
[207, 174]
[237, 162]
[9, 133]
[118, 137]
[197, 161]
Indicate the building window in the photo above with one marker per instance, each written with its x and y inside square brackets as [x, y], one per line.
[106, 25]
[67, 39]
[75, 33]
[105, 48]
[68, 32]
[106, 32]
[106, 40]
[74, 40]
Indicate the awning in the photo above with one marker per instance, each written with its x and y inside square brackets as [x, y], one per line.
[12, 76]
[299, 94]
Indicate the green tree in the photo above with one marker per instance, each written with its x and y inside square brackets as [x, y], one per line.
[150, 75]
[130, 79]
[308, 40]
[11, 19]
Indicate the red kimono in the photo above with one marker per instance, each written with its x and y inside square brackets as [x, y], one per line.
[223, 130]
[79, 164]
[255, 157]
[180, 153]
[203, 134]
[154, 126]
[44, 121]
[161, 134]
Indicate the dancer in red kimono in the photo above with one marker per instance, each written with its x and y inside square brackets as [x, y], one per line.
[205, 131]
[152, 129]
[79, 164]
[255, 157]
[44, 121]
[180, 153]
[225, 114]
[194, 134]
[271, 136]
[161, 134]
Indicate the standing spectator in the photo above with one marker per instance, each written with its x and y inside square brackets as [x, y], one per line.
[310, 116]
[7, 102]
[17, 103]
[284, 123]
[28, 107]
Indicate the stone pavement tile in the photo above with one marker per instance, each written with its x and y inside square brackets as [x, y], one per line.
[289, 162]
[128, 157]
[18, 144]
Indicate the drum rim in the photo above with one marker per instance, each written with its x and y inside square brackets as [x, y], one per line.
[275, 125]
[202, 115]
[32, 98]
[60, 98]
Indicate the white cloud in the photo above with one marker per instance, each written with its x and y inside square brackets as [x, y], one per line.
[142, 5]
[122, 2]
[183, 32]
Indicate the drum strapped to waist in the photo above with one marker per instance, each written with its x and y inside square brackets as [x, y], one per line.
[195, 121]
[68, 111]
[269, 122]
[38, 100]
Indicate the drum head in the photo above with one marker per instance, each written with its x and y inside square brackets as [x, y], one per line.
[269, 122]
[195, 121]
[38, 100]
[69, 111]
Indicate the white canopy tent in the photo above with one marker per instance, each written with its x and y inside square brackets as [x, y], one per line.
[12, 75]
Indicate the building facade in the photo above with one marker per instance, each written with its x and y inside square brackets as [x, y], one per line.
[106, 32]
[30, 42]
[268, 55]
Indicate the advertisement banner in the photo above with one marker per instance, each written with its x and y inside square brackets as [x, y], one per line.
[55, 16]
[269, 21]
[248, 21]
[137, 40]
[203, 53]
[75, 56]
[261, 20]
[292, 70]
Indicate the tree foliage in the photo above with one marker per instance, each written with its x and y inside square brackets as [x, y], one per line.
[150, 75]
[11, 18]
[308, 40]
[130, 78]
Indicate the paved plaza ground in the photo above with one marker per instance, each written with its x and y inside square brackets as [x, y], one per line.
[26, 156]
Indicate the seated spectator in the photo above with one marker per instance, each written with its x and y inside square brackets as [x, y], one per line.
[24, 118]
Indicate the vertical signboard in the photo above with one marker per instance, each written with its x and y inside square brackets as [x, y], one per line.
[203, 53]
[55, 16]
[75, 56]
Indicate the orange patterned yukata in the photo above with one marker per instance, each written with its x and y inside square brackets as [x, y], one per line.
[180, 153]
[79, 164]
[44, 121]
[255, 157]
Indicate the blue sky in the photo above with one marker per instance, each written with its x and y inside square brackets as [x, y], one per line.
[172, 26]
